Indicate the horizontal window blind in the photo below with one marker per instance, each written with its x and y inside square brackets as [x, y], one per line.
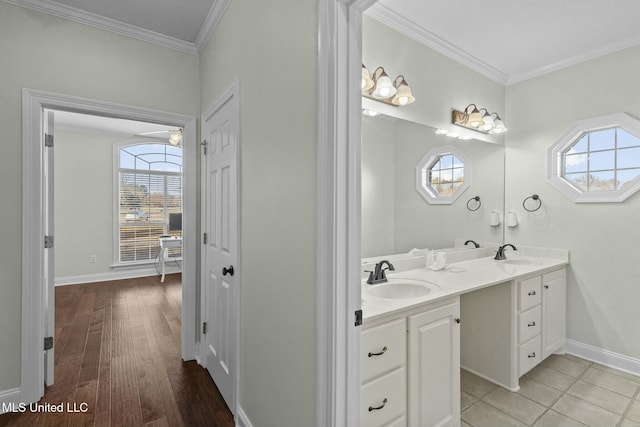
[146, 198]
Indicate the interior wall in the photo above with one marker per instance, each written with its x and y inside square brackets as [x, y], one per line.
[378, 186]
[83, 203]
[43, 52]
[603, 291]
[276, 64]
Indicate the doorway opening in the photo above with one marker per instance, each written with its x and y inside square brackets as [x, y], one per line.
[38, 279]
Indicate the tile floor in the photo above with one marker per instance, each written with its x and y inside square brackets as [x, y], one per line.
[563, 391]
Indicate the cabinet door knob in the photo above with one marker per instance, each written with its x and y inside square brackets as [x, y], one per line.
[380, 353]
[457, 319]
[532, 293]
[377, 408]
[531, 324]
[228, 271]
[546, 286]
[532, 355]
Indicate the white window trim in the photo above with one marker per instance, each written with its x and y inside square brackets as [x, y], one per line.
[116, 197]
[568, 138]
[431, 196]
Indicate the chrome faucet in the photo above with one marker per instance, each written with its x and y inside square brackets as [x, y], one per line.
[471, 241]
[378, 274]
[500, 254]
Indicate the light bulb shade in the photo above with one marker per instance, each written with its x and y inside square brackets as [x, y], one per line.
[499, 125]
[366, 82]
[383, 86]
[175, 138]
[487, 122]
[475, 118]
[403, 96]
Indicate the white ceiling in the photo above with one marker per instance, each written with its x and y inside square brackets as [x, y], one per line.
[76, 122]
[512, 40]
[506, 40]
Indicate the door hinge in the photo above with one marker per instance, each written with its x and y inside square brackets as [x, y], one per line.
[204, 328]
[48, 242]
[204, 145]
[48, 140]
[204, 238]
[358, 317]
[48, 343]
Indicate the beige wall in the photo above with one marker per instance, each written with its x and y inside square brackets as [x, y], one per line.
[47, 53]
[603, 290]
[83, 203]
[274, 56]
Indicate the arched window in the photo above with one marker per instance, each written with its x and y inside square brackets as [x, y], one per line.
[149, 189]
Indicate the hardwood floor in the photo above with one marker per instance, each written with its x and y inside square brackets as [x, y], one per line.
[118, 351]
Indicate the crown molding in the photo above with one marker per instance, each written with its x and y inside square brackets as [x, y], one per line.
[399, 23]
[211, 23]
[107, 24]
[612, 48]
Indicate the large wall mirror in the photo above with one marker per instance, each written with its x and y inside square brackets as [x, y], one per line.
[396, 217]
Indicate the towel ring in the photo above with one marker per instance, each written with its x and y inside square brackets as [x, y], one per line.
[477, 199]
[533, 197]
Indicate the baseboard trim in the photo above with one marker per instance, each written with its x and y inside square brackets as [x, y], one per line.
[604, 357]
[112, 275]
[241, 418]
[491, 380]
[9, 399]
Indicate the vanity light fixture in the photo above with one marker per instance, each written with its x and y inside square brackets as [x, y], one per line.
[379, 86]
[480, 120]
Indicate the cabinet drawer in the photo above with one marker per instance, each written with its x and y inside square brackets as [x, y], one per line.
[387, 393]
[529, 324]
[383, 348]
[530, 355]
[530, 293]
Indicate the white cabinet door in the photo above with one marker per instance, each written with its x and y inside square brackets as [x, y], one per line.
[554, 309]
[434, 367]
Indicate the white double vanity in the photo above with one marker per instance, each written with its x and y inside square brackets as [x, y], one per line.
[497, 319]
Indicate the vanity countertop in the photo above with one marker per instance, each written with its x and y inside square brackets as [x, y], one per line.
[459, 278]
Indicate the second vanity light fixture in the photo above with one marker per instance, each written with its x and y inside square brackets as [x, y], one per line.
[379, 86]
[480, 120]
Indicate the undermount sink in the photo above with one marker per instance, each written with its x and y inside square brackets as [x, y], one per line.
[401, 289]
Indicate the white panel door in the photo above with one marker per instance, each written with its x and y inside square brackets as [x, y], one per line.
[220, 288]
[434, 367]
[48, 218]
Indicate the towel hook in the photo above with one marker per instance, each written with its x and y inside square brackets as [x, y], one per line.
[477, 199]
[533, 197]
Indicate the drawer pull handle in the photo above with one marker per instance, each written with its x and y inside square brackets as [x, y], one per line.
[531, 324]
[377, 408]
[532, 355]
[384, 350]
[532, 293]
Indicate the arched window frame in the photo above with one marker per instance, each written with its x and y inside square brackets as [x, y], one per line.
[118, 260]
[556, 171]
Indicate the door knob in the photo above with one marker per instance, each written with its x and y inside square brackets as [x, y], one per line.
[228, 271]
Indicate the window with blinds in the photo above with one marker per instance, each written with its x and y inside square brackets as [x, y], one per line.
[149, 189]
